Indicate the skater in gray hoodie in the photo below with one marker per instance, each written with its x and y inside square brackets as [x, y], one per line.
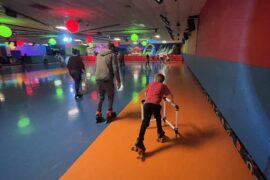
[106, 71]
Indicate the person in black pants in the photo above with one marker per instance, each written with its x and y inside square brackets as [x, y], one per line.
[76, 68]
[154, 94]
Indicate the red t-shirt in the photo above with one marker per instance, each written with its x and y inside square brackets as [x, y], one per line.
[155, 92]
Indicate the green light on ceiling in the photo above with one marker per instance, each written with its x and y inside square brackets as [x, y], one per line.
[5, 31]
[91, 45]
[23, 122]
[134, 37]
[52, 41]
[93, 79]
[49, 36]
[10, 20]
[144, 43]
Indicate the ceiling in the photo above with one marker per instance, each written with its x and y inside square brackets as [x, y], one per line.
[102, 19]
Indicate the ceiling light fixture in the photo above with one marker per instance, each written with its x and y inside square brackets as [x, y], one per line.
[61, 27]
[141, 25]
[157, 36]
[67, 39]
[116, 39]
[159, 1]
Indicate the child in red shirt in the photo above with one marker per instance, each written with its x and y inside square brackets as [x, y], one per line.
[154, 94]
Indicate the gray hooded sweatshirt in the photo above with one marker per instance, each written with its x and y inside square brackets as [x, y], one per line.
[107, 67]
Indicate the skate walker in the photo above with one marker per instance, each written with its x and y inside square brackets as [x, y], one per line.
[164, 118]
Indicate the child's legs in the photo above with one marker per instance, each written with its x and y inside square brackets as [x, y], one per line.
[101, 95]
[147, 113]
[156, 112]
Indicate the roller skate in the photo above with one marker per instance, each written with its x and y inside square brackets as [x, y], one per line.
[99, 118]
[110, 116]
[140, 149]
[162, 138]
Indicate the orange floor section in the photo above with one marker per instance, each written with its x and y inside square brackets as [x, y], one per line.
[204, 151]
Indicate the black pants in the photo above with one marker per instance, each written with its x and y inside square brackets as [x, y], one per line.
[77, 77]
[105, 87]
[148, 110]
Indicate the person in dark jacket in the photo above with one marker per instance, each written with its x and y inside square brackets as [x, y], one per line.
[106, 70]
[76, 68]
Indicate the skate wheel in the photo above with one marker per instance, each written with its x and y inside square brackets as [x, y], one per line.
[140, 152]
[135, 149]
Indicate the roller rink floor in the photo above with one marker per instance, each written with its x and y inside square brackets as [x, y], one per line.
[46, 134]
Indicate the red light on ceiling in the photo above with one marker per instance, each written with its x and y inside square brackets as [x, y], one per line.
[20, 43]
[72, 25]
[116, 43]
[73, 12]
[89, 39]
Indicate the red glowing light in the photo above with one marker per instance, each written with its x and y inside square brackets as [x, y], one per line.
[72, 25]
[29, 91]
[20, 43]
[89, 39]
[94, 95]
[116, 43]
[73, 12]
[68, 45]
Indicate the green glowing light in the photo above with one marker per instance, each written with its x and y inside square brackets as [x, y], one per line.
[91, 45]
[134, 37]
[5, 31]
[59, 93]
[93, 79]
[52, 41]
[49, 36]
[144, 80]
[135, 96]
[10, 20]
[144, 43]
[23, 122]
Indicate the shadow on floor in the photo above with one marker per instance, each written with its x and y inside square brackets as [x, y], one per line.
[190, 138]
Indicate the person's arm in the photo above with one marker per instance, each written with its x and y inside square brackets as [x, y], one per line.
[170, 96]
[168, 93]
[116, 71]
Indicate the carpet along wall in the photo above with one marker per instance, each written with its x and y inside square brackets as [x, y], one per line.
[232, 62]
